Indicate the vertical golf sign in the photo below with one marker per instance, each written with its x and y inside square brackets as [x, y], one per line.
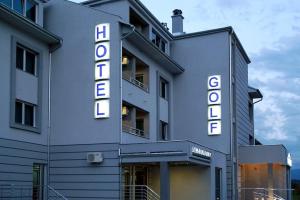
[214, 105]
[102, 71]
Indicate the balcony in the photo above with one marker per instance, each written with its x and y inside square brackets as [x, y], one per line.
[139, 23]
[135, 121]
[135, 71]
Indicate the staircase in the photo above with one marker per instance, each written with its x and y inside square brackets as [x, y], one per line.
[139, 192]
[28, 192]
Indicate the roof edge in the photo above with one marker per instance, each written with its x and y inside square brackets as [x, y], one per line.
[228, 29]
[47, 36]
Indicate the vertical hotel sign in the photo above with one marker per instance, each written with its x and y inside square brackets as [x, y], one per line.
[102, 71]
[214, 105]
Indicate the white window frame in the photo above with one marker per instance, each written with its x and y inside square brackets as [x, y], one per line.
[23, 113]
[24, 8]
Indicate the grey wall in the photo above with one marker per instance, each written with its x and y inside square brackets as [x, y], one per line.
[201, 57]
[243, 124]
[7, 35]
[75, 178]
[72, 102]
[16, 161]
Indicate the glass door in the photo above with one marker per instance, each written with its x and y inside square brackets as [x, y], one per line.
[37, 181]
[135, 180]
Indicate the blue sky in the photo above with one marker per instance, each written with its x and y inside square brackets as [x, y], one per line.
[270, 33]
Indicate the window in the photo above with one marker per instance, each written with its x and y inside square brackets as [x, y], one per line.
[37, 181]
[139, 123]
[139, 78]
[26, 60]
[26, 8]
[250, 106]
[163, 88]
[6, 2]
[158, 41]
[25, 113]
[30, 10]
[135, 120]
[135, 70]
[218, 183]
[18, 5]
[163, 130]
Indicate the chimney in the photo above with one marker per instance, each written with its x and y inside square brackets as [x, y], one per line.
[177, 22]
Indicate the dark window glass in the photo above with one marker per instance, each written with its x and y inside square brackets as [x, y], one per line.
[31, 10]
[163, 130]
[218, 181]
[6, 2]
[18, 112]
[29, 115]
[163, 89]
[157, 41]
[37, 181]
[19, 6]
[163, 46]
[19, 58]
[30, 62]
[153, 37]
[139, 78]
[140, 124]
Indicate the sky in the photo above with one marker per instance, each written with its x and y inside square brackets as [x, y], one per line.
[270, 33]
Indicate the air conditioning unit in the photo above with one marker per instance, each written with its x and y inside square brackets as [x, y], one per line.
[94, 157]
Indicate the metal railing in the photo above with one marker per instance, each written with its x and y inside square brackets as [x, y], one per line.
[264, 194]
[29, 192]
[134, 131]
[137, 83]
[55, 195]
[139, 192]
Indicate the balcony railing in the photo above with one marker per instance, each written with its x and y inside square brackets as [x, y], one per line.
[264, 193]
[139, 192]
[135, 82]
[134, 131]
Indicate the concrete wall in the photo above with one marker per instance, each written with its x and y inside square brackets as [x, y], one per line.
[201, 57]
[73, 81]
[74, 177]
[243, 124]
[11, 84]
[16, 163]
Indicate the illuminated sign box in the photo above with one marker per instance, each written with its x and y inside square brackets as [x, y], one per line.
[214, 99]
[200, 152]
[102, 71]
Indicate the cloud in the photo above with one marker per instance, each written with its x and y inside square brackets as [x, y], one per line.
[276, 72]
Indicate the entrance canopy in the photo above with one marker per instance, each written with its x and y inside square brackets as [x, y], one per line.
[172, 151]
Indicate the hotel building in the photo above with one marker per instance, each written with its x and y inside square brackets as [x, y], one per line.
[99, 100]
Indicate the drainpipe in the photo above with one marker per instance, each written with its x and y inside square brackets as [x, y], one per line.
[49, 112]
[233, 144]
[121, 100]
[254, 102]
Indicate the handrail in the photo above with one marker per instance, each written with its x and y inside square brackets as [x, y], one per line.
[11, 191]
[134, 131]
[56, 193]
[137, 83]
[140, 192]
[266, 193]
